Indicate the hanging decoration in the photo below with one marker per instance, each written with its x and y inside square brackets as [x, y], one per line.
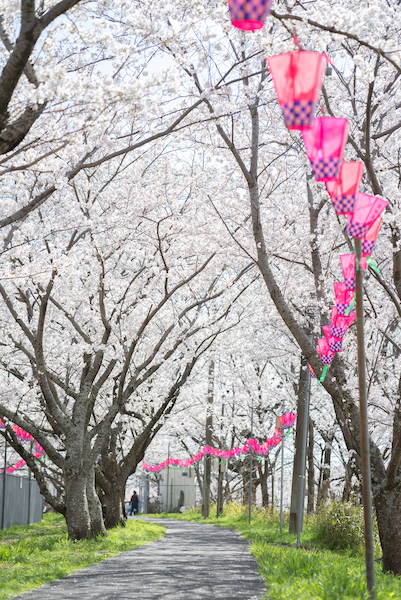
[367, 209]
[312, 372]
[326, 354]
[348, 268]
[260, 449]
[38, 455]
[287, 420]
[340, 323]
[23, 435]
[335, 343]
[324, 143]
[368, 242]
[297, 78]
[249, 15]
[344, 297]
[344, 190]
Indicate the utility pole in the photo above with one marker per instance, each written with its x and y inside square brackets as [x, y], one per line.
[303, 391]
[250, 471]
[3, 504]
[282, 478]
[221, 472]
[301, 492]
[168, 473]
[209, 440]
[363, 410]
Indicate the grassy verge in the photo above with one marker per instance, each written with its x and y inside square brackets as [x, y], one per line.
[314, 572]
[36, 554]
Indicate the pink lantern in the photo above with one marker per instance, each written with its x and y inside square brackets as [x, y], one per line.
[348, 268]
[324, 143]
[343, 297]
[368, 242]
[340, 323]
[249, 15]
[287, 420]
[344, 190]
[335, 343]
[276, 437]
[324, 350]
[297, 78]
[312, 372]
[367, 209]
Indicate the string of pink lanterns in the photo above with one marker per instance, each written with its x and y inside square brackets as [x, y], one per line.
[286, 421]
[298, 79]
[23, 435]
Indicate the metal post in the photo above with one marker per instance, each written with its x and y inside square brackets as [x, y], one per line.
[250, 471]
[363, 410]
[168, 473]
[171, 493]
[218, 490]
[3, 505]
[282, 481]
[301, 497]
[29, 488]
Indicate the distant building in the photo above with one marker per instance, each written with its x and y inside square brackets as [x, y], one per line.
[181, 489]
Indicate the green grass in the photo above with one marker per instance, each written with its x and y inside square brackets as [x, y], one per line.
[312, 573]
[36, 554]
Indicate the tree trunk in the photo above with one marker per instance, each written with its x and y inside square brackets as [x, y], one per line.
[388, 510]
[311, 472]
[245, 481]
[324, 488]
[347, 482]
[94, 506]
[263, 475]
[77, 514]
[114, 510]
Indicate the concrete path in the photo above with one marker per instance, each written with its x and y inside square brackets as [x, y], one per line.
[192, 562]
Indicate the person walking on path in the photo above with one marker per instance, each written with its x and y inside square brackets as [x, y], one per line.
[134, 503]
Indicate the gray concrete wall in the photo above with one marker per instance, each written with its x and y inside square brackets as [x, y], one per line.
[23, 503]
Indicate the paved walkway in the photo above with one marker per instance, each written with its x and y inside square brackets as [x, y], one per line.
[192, 562]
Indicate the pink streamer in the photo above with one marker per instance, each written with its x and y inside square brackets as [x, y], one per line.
[286, 421]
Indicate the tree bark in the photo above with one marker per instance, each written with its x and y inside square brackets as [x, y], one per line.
[347, 482]
[77, 513]
[114, 509]
[263, 476]
[388, 510]
[94, 506]
[323, 493]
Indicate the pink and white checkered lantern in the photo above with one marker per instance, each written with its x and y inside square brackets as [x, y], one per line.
[249, 15]
[348, 268]
[326, 354]
[368, 242]
[287, 420]
[324, 143]
[344, 190]
[297, 78]
[335, 343]
[343, 297]
[366, 210]
[340, 323]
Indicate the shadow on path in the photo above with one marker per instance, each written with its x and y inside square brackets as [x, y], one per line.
[192, 562]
